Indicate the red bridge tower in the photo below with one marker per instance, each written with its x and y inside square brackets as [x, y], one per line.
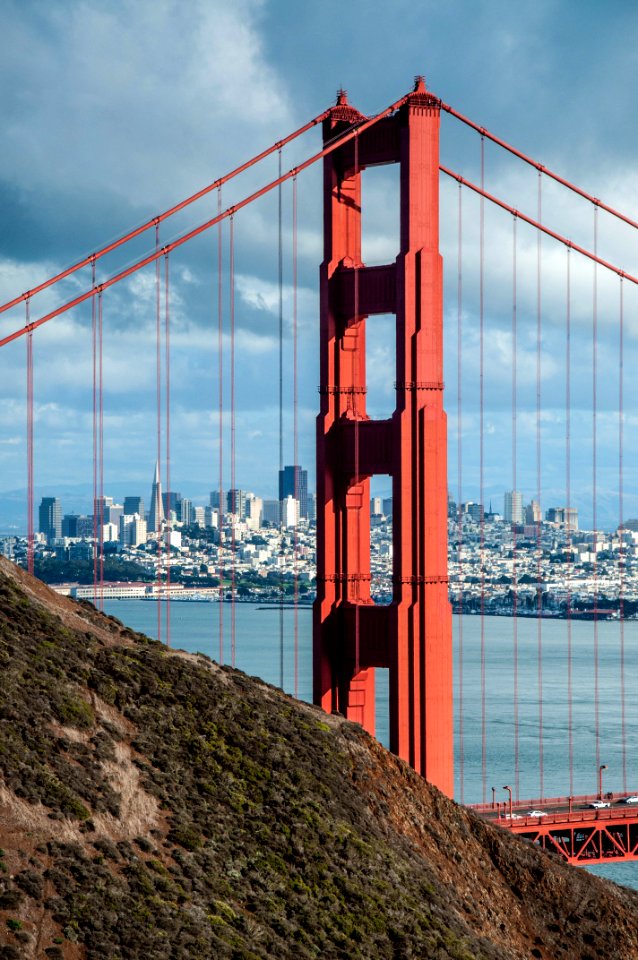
[412, 636]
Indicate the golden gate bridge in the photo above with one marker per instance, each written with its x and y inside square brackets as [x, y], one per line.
[353, 635]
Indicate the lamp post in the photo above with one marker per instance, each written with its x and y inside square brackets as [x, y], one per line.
[602, 767]
[493, 797]
[509, 790]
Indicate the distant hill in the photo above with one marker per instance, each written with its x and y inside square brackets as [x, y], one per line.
[156, 805]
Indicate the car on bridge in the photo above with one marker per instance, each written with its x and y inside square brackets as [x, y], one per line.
[632, 799]
[599, 804]
[536, 813]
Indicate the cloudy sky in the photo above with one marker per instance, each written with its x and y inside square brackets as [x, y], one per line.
[113, 112]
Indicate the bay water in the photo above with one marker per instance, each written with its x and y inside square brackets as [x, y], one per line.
[258, 651]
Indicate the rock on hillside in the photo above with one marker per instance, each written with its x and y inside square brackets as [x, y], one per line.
[156, 805]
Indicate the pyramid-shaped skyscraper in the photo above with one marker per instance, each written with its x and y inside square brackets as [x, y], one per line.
[156, 513]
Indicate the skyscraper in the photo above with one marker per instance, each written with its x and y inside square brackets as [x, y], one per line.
[50, 517]
[134, 505]
[236, 502]
[187, 511]
[293, 482]
[156, 513]
[513, 507]
[172, 503]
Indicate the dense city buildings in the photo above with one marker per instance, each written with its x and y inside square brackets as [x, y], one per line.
[539, 557]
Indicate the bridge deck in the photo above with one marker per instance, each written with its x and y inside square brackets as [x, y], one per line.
[571, 828]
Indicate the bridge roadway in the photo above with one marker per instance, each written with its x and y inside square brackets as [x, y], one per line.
[570, 828]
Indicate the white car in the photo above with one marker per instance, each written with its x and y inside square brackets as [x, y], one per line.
[599, 804]
[633, 799]
[536, 813]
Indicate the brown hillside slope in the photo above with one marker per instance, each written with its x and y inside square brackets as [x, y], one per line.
[155, 805]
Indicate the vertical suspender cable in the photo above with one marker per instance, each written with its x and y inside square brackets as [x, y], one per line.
[100, 347]
[459, 474]
[356, 401]
[539, 564]
[158, 390]
[295, 430]
[280, 283]
[167, 363]
[594, 484]
[570, 525]
[30, 529]
[95, 507]
[514, 499]
[621, 545]
[233, 485]
[220, 400]
[482, 462]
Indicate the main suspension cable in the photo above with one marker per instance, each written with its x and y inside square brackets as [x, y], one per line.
[155, 221]
[538, 226]
[128, 271]
[539, 166]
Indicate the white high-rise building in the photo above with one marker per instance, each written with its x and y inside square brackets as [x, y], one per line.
[254, 507]
[513, 506]
[132, 530]
[289, 512]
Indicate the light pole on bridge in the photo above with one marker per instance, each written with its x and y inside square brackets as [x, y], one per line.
[509, 790]
[602, 767]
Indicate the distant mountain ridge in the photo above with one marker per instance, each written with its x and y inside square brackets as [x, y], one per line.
[156, 805]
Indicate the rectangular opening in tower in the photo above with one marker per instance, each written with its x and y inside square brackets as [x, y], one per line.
[380, 366]
[380, 214]
[381, 539]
